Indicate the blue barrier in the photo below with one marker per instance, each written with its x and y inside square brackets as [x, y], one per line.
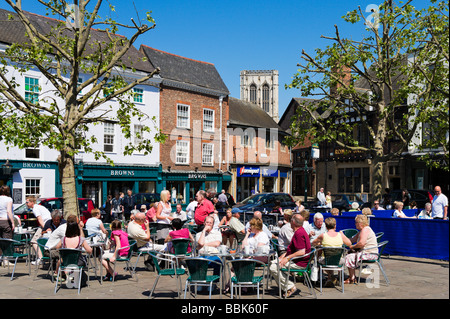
[421, 238]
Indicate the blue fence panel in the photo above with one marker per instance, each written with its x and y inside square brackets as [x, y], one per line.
[421, 238]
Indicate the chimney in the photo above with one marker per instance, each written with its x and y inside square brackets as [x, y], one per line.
[346, 76]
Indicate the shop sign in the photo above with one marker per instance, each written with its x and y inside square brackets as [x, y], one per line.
[35, 165]
[267, 172]
[197, 176]
[122, 173]
[248, 171]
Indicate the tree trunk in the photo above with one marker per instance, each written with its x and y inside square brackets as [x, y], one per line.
[377, 178]
[68, 182]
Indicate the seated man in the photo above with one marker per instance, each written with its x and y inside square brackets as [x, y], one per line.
[208, 241]
[316, 228]
[286, 232]
[299, 246]
[143, 240]
[237, 227]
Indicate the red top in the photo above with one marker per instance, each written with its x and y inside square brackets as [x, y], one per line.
[203, 210]
[300, 241]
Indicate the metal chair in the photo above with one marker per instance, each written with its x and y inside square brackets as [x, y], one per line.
[69, 260]
[244, 275]
[350, 232]
[7, 247]
[171, 271]
[126, 259]
[198, 275]
[302, 272]
[332, 260]
[41, 245]
[381, 246]
[378, 236]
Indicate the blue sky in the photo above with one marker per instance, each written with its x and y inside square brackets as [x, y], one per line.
[239, 35]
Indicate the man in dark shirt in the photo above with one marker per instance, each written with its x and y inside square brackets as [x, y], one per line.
[299, 246]
[128, 203]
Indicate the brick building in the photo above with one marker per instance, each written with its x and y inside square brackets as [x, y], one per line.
[193, 114]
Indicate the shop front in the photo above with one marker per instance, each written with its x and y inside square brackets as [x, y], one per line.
[183, 185]
[260, 179]
[98, 181]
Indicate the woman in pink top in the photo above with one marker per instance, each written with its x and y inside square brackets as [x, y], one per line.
[119, 239]
[178, 232]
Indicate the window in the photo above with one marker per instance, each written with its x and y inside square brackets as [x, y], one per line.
[183, 116]
[207, 154]
[253, 93]
[138, 134]
[32, 153]
[265, 98]
[351, 179]
[208, 120]
[31, 90]
[177, 192]
[138, 95]
[108, 137]
[270, 139]
[182, 156]
[32, 187]
[247, 138]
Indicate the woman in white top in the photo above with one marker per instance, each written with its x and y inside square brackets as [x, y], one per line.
[398, 213]
[164, 215]
[6, 213]
[255, 238]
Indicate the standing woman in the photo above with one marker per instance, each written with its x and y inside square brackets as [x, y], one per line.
[163, 215]
[6, 213]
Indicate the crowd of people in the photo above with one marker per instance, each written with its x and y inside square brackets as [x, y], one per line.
[296, 236]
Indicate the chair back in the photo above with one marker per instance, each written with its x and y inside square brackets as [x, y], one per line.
[350, 232]
[69, 257]
[244, 270]
[7, 246]
[131, 245]
[378, 236]
[41, 243]
[180, 245]
[381, 247]
[198, 268]
[332, 255]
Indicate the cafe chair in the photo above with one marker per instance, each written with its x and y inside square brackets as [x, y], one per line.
[331, 258]
[41, 245]
[172, 270]
[69, 261]
[244, 275]
[306, 273]
[198, 275]
[378, 236]
[350, 232]
[381, 246]
[7, 246]
[126, 259]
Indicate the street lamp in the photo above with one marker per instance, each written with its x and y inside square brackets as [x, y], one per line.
[7, 168]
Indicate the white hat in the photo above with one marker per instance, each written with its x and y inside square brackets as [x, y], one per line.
[355, 205]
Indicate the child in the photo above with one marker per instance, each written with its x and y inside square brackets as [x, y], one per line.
[119, 239]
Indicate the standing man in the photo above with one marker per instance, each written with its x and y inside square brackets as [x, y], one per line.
[129, 203]
[439, 208]
[42, 215]
[223, 198]
[321, 197]
[204, 208]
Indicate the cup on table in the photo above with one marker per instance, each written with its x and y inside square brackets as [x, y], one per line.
[223, 249]
[29, 228]
[247, 250]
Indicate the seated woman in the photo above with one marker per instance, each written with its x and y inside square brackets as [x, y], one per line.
[426, 212]
[331, 239]
[73, 240]
[227, 233]
[94, 225]
[119, 239]
[364, 239]
[255, 238]
[178, 232]
[398, 213]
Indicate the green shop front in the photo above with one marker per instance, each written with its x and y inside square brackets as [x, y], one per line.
[183, 185]
[98, 181]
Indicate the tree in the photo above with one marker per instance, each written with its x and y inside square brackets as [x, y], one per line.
[372, 81]
[80, 42]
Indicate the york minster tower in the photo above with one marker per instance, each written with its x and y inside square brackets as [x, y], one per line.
[261, 87]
